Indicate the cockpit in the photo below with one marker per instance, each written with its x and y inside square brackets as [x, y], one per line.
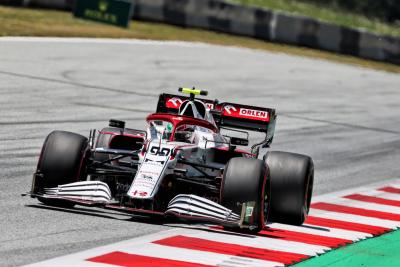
[160, 129]
[192, 119]
[177, 128]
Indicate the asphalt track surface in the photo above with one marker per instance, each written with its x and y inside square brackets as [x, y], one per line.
[347, 118]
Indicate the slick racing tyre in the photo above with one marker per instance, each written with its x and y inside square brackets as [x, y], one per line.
[246, 180]
[292, 177]
[61, 161]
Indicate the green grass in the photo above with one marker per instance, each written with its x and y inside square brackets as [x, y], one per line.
[382, 251]
[36, 22]
[328, 14]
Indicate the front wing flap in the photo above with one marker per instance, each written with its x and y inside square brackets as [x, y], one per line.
[192, 206]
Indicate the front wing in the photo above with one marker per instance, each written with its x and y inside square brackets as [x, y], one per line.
[183, 206]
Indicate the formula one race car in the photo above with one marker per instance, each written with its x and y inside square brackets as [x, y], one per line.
[181, 166]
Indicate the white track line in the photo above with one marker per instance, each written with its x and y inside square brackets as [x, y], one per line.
[261, 242]
[365, 205]
[79, 40]
[322, 231]
[357, 190]
[381, 194]
[195, 256]
[354, 218]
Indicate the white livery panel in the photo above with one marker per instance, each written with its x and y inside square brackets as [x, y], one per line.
[151, 170]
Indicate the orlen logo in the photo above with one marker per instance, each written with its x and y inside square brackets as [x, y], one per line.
[253, 113]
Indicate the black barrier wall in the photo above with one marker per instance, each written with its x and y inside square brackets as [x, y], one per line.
[260, 23]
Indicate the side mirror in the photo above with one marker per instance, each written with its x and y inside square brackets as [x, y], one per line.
[239, 141]
[116, 124]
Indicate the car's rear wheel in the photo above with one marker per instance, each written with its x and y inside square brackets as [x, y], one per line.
[292, 178]
[246, 181]
[62, 161]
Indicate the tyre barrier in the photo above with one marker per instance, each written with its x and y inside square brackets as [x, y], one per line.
[255, 22]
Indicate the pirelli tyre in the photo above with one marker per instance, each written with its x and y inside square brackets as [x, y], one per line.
[62, 161]
[292, 178]
[246, 181]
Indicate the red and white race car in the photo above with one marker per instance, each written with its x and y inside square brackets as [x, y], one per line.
[181, 166]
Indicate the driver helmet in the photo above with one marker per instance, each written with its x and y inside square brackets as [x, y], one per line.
[167, 131]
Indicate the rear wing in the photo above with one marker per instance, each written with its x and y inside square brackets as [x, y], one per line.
[229, 115]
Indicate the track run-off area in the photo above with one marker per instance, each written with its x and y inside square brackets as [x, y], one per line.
[345, 117]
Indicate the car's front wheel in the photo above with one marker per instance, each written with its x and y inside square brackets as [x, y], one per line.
[61, 161]
[246, 181]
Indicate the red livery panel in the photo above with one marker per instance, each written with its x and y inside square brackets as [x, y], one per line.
[245, 113]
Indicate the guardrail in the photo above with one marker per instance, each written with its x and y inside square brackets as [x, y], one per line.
[255, 22]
